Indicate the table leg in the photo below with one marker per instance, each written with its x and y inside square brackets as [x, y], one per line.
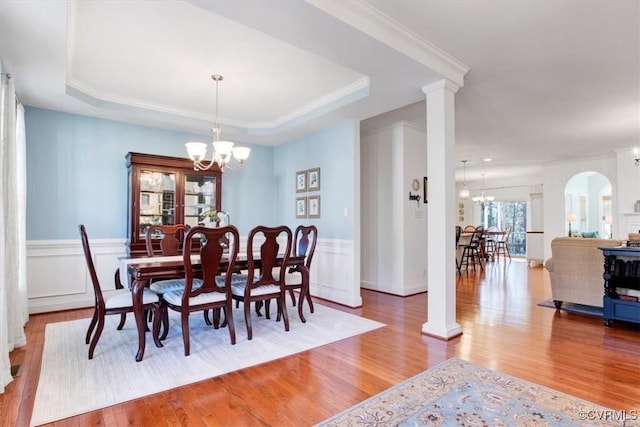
[136, 293]
[304, 292]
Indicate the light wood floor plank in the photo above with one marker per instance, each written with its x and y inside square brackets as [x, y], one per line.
[503, 329]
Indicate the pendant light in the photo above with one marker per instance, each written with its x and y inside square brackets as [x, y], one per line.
[464, 191]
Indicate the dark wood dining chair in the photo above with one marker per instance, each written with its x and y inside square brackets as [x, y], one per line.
[213, 291]
[304, 244]
[121, 302]
[458, 234]
[166, 240]
[265, 286]
[472, 251]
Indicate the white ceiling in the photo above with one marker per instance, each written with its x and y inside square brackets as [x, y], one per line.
[547, 80]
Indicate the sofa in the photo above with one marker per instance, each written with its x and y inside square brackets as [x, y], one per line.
[575, 270]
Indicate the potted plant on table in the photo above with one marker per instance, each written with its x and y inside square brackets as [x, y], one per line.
[209, 218]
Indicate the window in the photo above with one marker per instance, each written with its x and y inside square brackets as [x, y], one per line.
[502, 214]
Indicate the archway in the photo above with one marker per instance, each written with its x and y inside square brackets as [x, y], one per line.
[588, 205]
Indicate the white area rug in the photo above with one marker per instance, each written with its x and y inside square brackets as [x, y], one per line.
[71, 384]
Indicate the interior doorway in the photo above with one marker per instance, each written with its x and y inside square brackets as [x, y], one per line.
[588, 205]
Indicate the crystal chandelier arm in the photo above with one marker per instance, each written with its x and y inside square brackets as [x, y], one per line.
[197, 152]
[241, 153]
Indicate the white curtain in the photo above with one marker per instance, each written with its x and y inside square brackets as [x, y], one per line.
[13, 245]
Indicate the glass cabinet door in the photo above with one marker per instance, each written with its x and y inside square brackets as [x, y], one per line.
[167, 190]
[157, 199]
[199, 200]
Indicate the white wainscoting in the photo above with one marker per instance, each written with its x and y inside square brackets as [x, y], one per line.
[332, 273]
[58, 279]
[57, 275]
[535, 248]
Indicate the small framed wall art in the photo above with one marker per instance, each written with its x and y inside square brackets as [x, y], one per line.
[301, 181]
[313, 179]
[313, 203]
[424, 189]
[301, 207]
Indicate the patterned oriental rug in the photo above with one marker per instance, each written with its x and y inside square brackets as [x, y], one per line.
[459, 393]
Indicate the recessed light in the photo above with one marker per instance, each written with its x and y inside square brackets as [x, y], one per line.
[488, 159]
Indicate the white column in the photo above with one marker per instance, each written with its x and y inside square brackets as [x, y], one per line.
[441, 211]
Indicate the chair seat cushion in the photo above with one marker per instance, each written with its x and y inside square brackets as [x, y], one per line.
[236, 279]
[124, 299]
[293, 279]
[163, 286]
[175, 298]
[238, 289]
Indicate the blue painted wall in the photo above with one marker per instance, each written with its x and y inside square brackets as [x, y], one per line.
[333, 151]
[76, 173]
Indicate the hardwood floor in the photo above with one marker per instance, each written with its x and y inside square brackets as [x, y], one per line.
[503, 329]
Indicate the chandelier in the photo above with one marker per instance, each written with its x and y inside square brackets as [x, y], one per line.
[464, 191]
[223, 151]
[482, 199]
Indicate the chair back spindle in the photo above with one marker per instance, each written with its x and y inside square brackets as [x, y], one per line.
[171, 239]
[269, 250]
[99, 299]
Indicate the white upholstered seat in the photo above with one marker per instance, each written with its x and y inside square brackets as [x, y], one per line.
[122, 298]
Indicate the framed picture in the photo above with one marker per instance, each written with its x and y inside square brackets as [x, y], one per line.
[301, 207]
[313, 179]
[424, 189]
[313, 206]
[301, 181]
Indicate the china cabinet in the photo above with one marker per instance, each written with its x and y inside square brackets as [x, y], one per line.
[167, 190]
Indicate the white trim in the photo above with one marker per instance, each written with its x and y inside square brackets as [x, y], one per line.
[383, 28]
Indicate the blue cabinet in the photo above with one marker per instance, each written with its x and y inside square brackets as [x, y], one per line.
[621, 270]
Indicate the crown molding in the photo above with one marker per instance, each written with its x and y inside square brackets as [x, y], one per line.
[201, 122]
[443, 84]
[371, 21]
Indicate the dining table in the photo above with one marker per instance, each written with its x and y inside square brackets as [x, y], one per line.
[465, 239]
[141, 271]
